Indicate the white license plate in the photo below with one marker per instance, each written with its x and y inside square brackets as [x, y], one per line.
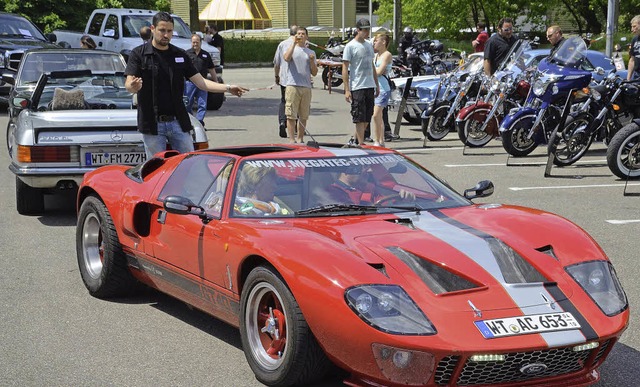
[523, 325]
[95, 159]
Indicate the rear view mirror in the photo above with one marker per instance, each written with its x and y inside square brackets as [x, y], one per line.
[9, 78]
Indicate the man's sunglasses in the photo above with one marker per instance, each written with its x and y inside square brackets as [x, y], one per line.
[507, 29]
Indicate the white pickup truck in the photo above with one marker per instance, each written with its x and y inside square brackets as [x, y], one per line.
[117, 29]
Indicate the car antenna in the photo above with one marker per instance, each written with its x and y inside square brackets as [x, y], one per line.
[313, 141]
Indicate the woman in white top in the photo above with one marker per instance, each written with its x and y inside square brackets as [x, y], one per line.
[382, 63]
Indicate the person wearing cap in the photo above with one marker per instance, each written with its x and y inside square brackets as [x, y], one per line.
[360, 78]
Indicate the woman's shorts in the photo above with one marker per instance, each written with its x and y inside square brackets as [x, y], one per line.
[382, 99]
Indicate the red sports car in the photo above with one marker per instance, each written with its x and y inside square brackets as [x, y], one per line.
[358, 258]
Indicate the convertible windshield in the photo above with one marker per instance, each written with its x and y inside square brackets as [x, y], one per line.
[333, 186]
[35, 63]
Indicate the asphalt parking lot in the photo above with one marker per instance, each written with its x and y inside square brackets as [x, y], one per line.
[53, 333]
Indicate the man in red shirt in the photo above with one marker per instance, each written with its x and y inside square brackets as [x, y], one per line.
[483, 36]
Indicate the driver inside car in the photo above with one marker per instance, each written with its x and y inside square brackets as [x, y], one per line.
[352, 186]
[256, 193]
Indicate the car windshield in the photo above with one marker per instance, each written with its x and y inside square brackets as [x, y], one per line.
[34, 63]
[16, 26]
[132, 23]
[572, 52]
[350, 185]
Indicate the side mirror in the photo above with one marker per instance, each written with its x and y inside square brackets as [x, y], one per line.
[183, 206]
[9, 78]
[599, 70]
[483, 189]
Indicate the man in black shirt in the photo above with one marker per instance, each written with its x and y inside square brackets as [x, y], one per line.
[216, 41]
[634, 50]
[157, 71]
[498, 46]
[204, 64]
[554, 36]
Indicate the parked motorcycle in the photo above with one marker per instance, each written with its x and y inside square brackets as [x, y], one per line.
[426, 57]
[600, 117]
[623, 153]
[438, 118]
[549, 100]
[478, 122]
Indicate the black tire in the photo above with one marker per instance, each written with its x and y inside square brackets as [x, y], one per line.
[515, 141]
[469, 129]
[214, 101]
[570, 144]
[434, 128]
[412, 120]
[335, 81]
[296, 359]
[29, 200]
[102, 263]
[623, 154]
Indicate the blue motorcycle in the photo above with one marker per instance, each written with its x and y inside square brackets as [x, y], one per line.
[557, 84]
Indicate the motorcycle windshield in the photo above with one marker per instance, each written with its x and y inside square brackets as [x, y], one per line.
[516, 60]
[571, 53]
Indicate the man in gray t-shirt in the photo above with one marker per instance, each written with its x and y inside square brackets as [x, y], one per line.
[301, 66]
[280, 68]
[360, 79]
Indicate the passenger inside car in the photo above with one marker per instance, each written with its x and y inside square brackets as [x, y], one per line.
[256, 193]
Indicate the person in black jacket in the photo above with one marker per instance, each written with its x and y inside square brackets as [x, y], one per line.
[554, 36]
[157, 72]
[498, 46]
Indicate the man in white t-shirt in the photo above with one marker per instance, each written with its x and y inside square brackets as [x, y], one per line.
[359, 77]
[301, 66]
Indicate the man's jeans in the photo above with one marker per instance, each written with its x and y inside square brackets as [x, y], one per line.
[167, 132]
[192, 93]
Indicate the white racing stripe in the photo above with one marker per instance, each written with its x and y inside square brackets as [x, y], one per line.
[570, 186]
[528, 296]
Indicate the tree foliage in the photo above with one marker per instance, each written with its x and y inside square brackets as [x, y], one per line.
[72, 14]
[448, 18]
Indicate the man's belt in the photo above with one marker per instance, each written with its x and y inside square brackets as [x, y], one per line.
[163, 118]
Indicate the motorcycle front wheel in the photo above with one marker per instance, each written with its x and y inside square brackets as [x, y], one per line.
[516, 140]
[335, 81]
[572, 142]
[435, 129]
[469, 130]
[623, 153]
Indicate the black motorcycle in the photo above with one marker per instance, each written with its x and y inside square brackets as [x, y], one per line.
[426, 57]
[607, 108]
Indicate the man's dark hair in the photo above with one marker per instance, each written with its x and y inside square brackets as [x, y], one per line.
[162, 16]
[505, 20]
[214, 28]
[480, 25]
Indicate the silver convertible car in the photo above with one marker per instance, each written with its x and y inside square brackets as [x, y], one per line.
[69, 114]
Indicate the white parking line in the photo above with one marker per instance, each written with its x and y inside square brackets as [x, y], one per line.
[616, 221]
[420, 150]
[571, 186]
[531, 163]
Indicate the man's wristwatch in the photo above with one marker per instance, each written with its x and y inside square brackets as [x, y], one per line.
[228, 88]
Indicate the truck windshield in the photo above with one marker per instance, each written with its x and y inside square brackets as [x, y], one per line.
[132, 23]
[16, 26]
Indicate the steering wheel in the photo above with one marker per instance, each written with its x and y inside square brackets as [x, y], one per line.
[393, 198]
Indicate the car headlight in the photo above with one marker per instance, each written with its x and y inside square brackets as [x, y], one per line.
[600, 282]
[388, 308]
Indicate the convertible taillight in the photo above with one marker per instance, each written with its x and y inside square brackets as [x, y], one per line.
[44, 154]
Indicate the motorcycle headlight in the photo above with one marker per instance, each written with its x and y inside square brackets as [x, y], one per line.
[600, 282]
[388, 308]
[540, 86]
[595, 94]
[453, 82]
